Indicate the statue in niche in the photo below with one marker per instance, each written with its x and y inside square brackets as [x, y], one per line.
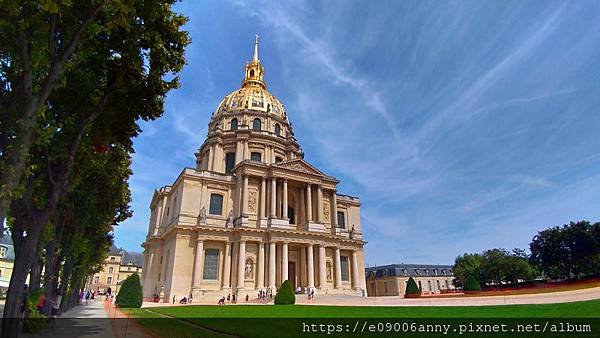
[351, 233]
[328, 271]
[202, 216]
[229, 222]
[249, 269]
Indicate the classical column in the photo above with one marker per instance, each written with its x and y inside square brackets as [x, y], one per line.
[338, 268]
[260, 278]
[310, 266]
[198, 263]
[322, 267]
[284, 261]
[211, 154]
[263, 198]
[285, 199]
[334, 210]
[245, 196]
[272, 265]
[246, 151]
[308, 204]
[273, 197]
[319, 204]
[227, 266]
[241, 264]
[239, 152]
[355, 283]
[239, 184]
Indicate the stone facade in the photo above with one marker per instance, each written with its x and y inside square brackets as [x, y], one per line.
[391, 280]
[253, 212]
[119, 265]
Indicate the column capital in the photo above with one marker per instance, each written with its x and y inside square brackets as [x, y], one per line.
[200, 240]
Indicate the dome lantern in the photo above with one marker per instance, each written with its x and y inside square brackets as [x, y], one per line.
[254, 70]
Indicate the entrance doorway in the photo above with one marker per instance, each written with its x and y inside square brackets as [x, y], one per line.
[292, 274]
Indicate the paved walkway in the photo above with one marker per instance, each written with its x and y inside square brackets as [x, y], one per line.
[81, 321]
[538, 298]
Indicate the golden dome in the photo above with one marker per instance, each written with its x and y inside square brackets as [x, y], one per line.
[253, 95]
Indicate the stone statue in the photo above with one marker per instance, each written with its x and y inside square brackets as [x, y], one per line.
[162, 294]
[249, 269]
[202, 216]
[351, 233]
[229, 222]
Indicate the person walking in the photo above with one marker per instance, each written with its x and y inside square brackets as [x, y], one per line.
[55, 306]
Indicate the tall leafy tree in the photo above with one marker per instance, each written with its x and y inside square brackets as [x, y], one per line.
[37, 43]
[467, 265]
[118, 74]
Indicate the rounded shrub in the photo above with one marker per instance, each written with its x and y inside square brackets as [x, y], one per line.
[411, 288]
[285, 295]
[130, 294]
[471, 284]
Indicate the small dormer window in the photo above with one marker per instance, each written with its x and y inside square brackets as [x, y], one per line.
[417, 272]
[256, 124]
[3, 251]
[277, 129]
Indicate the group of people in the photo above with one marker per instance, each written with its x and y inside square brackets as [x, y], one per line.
[263, 294]
[86, 295]
[184, 299]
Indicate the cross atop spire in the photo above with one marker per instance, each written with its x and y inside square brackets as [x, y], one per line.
[255, 57]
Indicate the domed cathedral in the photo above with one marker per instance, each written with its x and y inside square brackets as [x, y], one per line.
[252, 213]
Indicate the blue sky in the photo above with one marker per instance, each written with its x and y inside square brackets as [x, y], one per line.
[462, 125]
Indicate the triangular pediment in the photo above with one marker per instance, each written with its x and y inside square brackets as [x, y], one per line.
[299, 165]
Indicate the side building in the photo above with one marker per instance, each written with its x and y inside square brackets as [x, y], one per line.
[7, 259]
[119, 265]
[391, 280]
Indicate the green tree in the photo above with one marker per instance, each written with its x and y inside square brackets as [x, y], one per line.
[130, 294]
[411, 287]
[471, 284]
[466, 265]
[37, 42]
[115, 77]
[285, 295]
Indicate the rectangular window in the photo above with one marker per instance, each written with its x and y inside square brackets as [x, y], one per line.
[96, 279]
[341, 220]
[344, 266]
[255, 156]
[112, 259]
[216, 204]
[229, 162]
[109, 280]
[211, 264]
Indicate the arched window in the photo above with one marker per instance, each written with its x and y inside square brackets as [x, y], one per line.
[234, 124]
[278, 159]
[277, 129]
[216, 204]
[256, 124]
[252, 73]
[229, 162]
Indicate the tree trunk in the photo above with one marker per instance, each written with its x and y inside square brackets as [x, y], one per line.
[50, 275]
[36, 271]
[23, 258]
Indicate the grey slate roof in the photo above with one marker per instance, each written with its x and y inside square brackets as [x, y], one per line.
[135, 258]
[6, 241]
[409, 270]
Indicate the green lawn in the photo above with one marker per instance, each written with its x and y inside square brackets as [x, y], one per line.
[256, 320]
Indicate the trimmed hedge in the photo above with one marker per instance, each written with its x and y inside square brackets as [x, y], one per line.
[285, 295]
[471, 284]
[412, 288]
[130, 294]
